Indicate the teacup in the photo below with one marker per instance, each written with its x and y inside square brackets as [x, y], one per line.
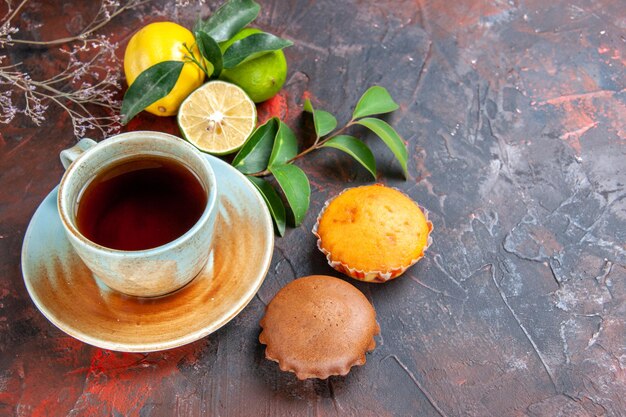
[148, 272]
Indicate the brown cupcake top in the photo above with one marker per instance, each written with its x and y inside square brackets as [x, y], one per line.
[318, 326]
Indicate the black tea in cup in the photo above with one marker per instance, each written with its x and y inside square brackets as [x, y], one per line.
[140, 203]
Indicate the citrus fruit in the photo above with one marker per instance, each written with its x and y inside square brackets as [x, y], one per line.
[217, 118]
[262, 77]
[158, 42]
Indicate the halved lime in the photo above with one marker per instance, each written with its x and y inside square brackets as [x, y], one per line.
[217, 118]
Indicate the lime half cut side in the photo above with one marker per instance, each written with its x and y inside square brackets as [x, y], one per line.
[217, 117]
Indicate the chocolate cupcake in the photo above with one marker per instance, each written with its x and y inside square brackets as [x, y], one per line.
[318, 326]
[372, 233]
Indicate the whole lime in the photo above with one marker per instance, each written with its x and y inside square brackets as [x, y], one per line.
[261, 78]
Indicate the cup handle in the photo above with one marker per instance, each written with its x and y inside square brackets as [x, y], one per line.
[71, 154]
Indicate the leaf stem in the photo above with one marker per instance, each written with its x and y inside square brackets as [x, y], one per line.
[316, 145]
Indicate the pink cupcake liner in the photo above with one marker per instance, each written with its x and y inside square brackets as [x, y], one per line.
[370, 276]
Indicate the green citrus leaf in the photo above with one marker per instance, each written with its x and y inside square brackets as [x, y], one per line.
[390, 137]
[295, 185]
[324, 121]
[255, 152]
[285, 145]
[152, 84]
[210, 50]
[273, 201]
[229, 19]
[356, 149]
[308, 107]
[376, 100]
[251, 47]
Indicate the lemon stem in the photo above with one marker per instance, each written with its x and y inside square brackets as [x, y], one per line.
[192, 58]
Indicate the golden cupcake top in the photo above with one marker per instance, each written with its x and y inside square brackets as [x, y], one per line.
[318, 326]
[372, 232]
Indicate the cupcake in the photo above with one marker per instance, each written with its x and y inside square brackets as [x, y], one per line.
[372, 233]
[318, 326]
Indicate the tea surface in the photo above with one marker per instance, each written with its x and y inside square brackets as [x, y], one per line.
[140, 204]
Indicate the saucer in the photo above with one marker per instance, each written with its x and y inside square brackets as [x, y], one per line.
[68, 295]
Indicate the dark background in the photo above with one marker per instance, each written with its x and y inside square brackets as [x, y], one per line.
[514, 113]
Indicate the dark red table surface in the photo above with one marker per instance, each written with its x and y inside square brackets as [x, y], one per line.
[514, 113]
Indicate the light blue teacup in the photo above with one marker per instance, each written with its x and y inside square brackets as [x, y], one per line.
[143, 273]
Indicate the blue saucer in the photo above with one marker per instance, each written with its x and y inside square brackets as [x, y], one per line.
[67, 293]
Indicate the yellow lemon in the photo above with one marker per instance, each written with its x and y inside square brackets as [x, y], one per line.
[158, 42]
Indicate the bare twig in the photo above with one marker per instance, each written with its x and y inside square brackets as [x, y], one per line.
[10, 17]
[109, 9]
[86, 89]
